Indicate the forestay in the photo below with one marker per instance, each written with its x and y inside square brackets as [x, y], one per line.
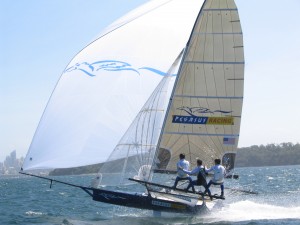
[205, 111]
[106, 84]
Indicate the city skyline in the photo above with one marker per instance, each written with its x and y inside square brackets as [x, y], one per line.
[11, 165]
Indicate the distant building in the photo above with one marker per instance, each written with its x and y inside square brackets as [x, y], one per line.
[11, 164]
[2, 168]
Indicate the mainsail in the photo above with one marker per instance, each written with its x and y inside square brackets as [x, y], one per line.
[107, 83]
[205, 110]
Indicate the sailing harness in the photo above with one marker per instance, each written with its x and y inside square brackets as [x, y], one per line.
[201, 177]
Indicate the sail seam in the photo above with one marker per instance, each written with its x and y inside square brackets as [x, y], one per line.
[136, 144]
[223, 97]
[202, 134]
[152, 110]
[206, 26]
[233, 9]
[218, 33]
[208, 62]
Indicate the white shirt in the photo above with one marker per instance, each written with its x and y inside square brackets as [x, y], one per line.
[219, 173]
[184, 164]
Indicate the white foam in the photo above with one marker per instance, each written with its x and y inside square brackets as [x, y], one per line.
[32, 213]
[248, 210]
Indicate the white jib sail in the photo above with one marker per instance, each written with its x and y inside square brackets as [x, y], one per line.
[134, 154]
[107, 83]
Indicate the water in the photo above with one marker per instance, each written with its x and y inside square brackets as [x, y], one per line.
[28, 200]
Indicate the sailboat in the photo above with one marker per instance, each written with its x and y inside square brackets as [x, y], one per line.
[165, 79]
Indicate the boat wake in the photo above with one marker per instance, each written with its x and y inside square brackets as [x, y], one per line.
[237, 213]
[248, 210]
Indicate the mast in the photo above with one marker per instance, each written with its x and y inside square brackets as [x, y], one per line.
[175, 84]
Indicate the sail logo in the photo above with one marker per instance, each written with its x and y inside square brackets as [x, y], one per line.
[110, 196]
[193, 111]
[184, 198]
[167, 204]
[195, 117]
[203, 120]
[159, 203]
[91, 69]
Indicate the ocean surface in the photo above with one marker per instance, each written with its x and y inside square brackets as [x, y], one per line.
[27, 200]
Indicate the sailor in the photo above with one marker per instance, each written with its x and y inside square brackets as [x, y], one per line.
[182, 164]
[199, 171]
[218, 178]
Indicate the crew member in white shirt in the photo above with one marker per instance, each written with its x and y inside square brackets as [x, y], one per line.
[182, 164]
[218, 179]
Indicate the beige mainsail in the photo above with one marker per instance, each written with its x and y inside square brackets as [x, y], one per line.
[204, 115]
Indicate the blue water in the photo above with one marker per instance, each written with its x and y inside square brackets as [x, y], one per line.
[28, 200]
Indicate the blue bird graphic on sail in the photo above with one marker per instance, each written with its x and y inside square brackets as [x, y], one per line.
[193, 111]
[91, 69]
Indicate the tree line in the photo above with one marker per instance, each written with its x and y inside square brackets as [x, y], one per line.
[268, 155]
[253, 156]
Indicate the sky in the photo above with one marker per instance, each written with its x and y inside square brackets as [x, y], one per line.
[39, 38]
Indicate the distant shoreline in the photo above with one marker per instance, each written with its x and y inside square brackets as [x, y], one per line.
[284, 154]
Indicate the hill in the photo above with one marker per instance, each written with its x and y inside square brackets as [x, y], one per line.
[268, 155]
[263, 155]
